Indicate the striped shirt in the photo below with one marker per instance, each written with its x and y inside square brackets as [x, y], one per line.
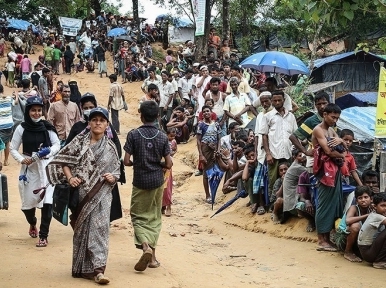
[6, 121]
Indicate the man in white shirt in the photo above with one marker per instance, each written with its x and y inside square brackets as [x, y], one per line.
[201, 83]
[276, 127]
[186, 85]
[166, 92]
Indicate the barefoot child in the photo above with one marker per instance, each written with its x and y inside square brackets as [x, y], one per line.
[167, 196]
[347, 233]
[247, 177]
[349, 166]
[372, 236]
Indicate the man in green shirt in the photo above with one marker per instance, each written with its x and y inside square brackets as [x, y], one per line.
[47, 51]
[305, 130]
[56, 54]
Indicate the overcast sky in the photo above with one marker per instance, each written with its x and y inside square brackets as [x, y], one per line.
[151, 11]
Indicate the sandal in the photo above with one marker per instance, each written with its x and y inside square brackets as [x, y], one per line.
[156, 265]
[101, 279]
[43, 242]
[260, 210]
[33, 231]
[208, 200]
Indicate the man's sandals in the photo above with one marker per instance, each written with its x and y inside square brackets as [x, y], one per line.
[43, 242]
[33, 231]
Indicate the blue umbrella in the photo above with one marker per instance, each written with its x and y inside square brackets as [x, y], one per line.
[276, 62]
[117, 32]
[241, 194]
[214, 178]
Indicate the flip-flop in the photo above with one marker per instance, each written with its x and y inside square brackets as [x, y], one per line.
[260, 210]
[144, 260]
[156, 265]
[42, 243]
[33, 232]
[326, 249]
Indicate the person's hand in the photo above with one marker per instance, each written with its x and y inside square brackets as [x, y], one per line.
[375, 189]
[202, 159]
[225, 185]
[309, 207]
[109, 178]
[27, 161]
[75, 181]
[334, 141]
[310, 153]
[269, 159]
[165, 109]
[251, 162]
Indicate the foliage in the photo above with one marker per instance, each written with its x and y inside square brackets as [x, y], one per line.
[297, 91]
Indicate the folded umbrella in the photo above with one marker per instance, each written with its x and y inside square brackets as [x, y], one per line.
[241, 194]
[214, 178]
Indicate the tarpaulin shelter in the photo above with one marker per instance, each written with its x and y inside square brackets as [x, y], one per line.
[359, 99]
[359, 71]
[20, 24]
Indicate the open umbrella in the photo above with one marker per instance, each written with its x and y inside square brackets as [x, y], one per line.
[241, 194]
[214, 178]
[275, 62]
[116, 32]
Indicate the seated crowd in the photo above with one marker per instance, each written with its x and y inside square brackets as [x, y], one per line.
[288, 171]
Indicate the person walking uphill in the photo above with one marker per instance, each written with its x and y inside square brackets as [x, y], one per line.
[35, 133]
[148, 146]
[116, 101]
[90, 162]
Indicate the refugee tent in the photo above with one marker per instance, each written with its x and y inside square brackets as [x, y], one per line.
[20, 24]
[359, 71]
[181, 31]
[70, 26]
[359, 99]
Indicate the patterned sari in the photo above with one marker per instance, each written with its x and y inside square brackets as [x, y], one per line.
[91, 227]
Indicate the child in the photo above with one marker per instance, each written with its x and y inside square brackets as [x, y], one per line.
[278, 185]
[167, 196]
[249, 170]
[372, 236]
[349, 167]
[371, 178]
[287, 197]
[348, 230]
[208, 142]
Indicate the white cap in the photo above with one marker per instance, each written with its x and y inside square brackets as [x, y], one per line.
[204, 67]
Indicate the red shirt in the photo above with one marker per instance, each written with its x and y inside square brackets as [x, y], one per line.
[222, 87]
[213, 116]
[348, 165]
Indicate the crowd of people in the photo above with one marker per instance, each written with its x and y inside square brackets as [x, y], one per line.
[251, 135]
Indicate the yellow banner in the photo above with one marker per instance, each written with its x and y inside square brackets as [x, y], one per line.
[380, 122]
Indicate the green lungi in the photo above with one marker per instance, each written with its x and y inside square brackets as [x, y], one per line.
[145, 212]
[330, 205]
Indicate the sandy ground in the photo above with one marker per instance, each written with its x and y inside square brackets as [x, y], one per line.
[233, 249]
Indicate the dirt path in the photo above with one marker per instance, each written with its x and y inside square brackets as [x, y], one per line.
[194, 250]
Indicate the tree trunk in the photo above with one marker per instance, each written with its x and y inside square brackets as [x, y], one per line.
[136, 15]
[96, 6]
[202, 41]
[225, 20]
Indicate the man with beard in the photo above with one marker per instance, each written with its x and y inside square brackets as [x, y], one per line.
[304, 132]
[276, 127]
[218, 98]
[63, 115]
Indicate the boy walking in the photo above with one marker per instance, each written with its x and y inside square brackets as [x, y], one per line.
[148, 146]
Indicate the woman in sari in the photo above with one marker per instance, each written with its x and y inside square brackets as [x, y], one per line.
[87, 103]
[34, 134]
[90, 162]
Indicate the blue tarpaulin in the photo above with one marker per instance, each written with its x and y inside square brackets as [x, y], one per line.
[360, 120]
[20, 24]
[360, 99]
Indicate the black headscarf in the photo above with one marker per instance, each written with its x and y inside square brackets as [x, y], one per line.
[75, 94]
[35, 133]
